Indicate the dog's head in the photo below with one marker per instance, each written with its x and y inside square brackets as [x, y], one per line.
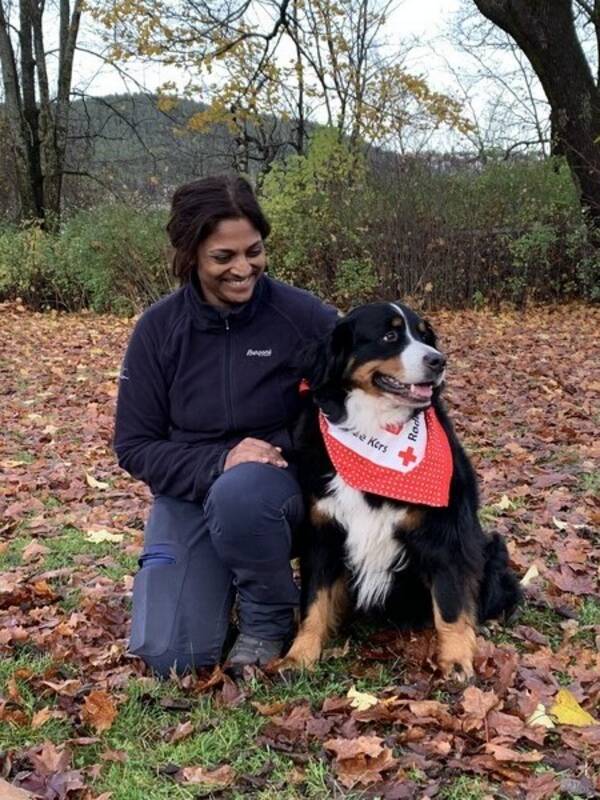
[381, 356]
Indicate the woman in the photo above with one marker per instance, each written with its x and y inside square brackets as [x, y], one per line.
[208, 395]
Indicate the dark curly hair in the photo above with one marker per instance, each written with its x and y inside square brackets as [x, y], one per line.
[199, 206]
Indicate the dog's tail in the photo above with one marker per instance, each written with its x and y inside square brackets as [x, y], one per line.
[500, 592]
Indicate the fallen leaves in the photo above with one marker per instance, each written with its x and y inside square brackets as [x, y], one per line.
[222, 776]
[535, 448]
[361, 700]
[361, 761]
[99, 711]
[567, 710]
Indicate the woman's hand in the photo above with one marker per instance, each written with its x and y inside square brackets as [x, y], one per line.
[250, 449]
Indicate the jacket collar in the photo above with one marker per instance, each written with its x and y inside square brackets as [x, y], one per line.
[206, 317]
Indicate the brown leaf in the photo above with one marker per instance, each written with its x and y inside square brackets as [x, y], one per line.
[99, 711]
[48, 758]
[502, 752]
[182, 731]
[268, 709]
[477, 704]
[118, 756]
[360, 761]
[222, 776]
[41, 717]
[33, 551]
[541, 787]
[10, 792]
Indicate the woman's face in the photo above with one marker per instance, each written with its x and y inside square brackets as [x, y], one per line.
[230, 262]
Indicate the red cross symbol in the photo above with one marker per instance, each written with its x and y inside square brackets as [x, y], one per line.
[407, 456]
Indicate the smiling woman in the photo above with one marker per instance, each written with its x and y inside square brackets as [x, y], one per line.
[230, 261]
[207, 401]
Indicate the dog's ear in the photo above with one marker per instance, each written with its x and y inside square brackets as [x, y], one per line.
[325, 363]
[429, 336]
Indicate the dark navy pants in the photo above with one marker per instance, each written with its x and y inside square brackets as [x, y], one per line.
[197, 556]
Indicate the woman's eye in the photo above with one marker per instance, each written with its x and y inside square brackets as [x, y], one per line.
[390, 336]
[221, 259]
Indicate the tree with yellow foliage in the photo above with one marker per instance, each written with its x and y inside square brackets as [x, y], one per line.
[269, 69]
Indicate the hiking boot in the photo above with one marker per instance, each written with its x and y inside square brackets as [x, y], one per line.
[249, 650]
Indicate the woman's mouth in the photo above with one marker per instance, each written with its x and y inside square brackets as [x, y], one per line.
[240, 283]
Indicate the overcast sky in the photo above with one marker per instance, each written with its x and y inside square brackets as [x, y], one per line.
[423, 20]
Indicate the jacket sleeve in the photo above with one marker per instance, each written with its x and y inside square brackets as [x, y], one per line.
[141, 442]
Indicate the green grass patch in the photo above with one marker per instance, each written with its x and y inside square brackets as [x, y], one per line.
[65, 547]
[589, 613]
[465, 788]
[590, 481]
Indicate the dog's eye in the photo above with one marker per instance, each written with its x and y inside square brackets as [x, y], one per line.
[390, 336]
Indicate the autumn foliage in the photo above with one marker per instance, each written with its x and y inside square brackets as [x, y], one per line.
[523, 389]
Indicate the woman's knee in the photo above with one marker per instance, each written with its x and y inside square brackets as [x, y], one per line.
[251, 494]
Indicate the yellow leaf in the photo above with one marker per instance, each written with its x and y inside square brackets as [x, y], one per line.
[361, 700]
[504, 503]
[539, 717]
[95, 484]
[531, 574]
[567, 710]
[97, 537]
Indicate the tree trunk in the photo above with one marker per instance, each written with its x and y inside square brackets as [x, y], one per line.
[545, 32]
[38, 123]
[29, 208]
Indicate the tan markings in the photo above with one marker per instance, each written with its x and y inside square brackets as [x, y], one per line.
[323, 618]
[456, 643]
[318, 518]
[412, 518]
[422, 327]
[397, 322]
[362, 377]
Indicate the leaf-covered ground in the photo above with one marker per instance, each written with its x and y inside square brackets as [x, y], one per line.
[78, 718]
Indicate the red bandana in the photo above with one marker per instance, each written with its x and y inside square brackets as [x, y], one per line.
[412, 463]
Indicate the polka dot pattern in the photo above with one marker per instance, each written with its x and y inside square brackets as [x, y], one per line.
[427, 484]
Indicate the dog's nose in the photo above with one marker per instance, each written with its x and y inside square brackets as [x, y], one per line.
[435, 361]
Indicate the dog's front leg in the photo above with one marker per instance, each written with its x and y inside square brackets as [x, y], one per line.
[324, 590]
[454, 617]
[323, 615]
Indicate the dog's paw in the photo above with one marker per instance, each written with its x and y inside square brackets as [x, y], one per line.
[302, 655]
[457, 670]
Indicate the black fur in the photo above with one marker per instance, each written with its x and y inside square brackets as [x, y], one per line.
[450, 556]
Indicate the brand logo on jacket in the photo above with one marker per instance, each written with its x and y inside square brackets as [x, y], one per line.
[259, 353]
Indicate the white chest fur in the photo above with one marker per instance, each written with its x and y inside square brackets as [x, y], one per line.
[373, 553]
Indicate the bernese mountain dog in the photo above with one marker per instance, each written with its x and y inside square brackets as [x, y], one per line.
[392, 523]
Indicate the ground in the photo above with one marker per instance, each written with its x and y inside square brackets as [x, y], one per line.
[80, 721]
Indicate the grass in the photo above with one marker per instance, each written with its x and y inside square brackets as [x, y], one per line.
[465, 788]
[65, 548]
[141, 730]
[590, 482]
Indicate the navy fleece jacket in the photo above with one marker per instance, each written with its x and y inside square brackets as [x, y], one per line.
[196, 380]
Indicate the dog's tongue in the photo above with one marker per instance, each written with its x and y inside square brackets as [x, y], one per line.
[421, 390]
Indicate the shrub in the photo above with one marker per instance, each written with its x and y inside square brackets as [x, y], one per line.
[111, 258]
[116, 256]
[318, 208]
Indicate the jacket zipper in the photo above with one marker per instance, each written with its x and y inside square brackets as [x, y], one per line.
[228, 375]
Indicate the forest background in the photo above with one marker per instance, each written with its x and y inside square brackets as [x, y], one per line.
[377, 182]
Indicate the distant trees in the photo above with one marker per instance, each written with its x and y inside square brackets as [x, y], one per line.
[37, 112]
[546, 32]
[269, 68]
